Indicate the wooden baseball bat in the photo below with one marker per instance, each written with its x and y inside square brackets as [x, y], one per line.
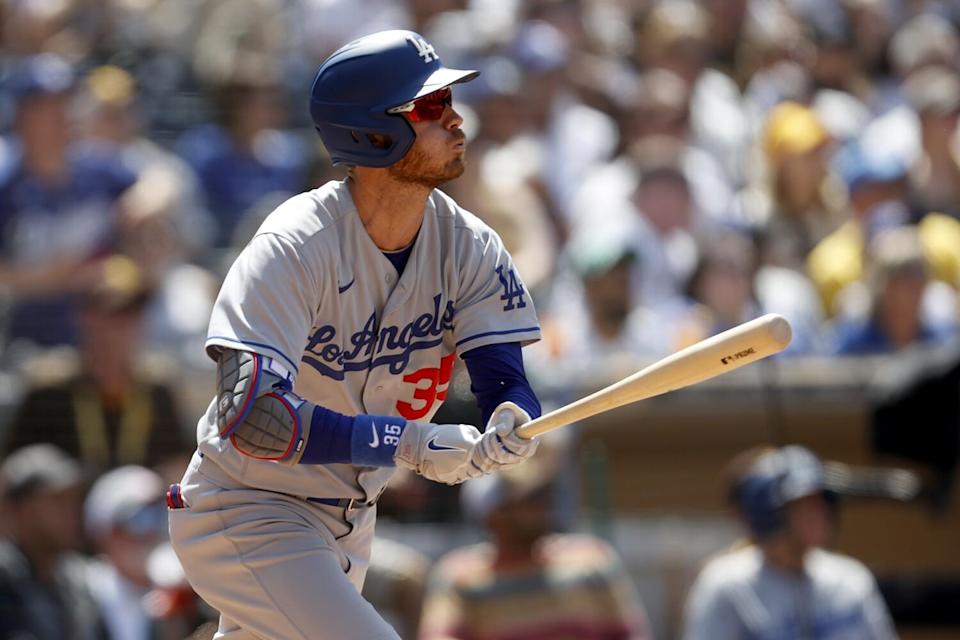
[732, 349]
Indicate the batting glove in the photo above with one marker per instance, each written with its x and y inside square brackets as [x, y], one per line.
[501, 445]
[439, 452]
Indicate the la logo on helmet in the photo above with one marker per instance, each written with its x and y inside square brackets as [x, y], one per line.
[424, 49]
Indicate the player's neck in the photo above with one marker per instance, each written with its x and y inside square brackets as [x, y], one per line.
[391, 211]
[514, 556]
[784, 556]
[49, 164]
[43, 560]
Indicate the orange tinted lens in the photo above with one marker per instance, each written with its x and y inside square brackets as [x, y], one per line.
[431, 106]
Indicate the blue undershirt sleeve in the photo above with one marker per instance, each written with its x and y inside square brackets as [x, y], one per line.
[365, 440]
[497, 375]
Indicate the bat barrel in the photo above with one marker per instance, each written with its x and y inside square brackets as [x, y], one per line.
[714, 356]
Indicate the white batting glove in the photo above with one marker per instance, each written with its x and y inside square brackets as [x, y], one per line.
[439, 452]
[500, 445]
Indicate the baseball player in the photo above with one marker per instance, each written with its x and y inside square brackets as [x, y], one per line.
[335, 334]
[785, 585]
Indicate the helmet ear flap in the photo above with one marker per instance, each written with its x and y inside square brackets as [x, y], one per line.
[380, 146]
[757, 493]
[380, 140]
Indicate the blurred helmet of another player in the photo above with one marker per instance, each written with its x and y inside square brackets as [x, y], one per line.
[773, 480]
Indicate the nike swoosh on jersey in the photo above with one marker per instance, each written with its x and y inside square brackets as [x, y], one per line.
[376, 436]
[346, 286]
[433, 446]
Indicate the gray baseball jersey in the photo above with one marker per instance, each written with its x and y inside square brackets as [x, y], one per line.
[312, 292]
[738, 596]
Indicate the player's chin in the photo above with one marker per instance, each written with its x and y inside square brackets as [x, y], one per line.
[456, 167]
[452, 170]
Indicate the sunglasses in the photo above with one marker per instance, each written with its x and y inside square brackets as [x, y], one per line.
[426, 108]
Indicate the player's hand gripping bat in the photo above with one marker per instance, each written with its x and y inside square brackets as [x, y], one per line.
[746, 343]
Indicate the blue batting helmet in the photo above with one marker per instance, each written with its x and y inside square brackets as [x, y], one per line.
[356, 86]
[775, 479]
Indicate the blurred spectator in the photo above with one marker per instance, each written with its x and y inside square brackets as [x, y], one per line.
[926, 39]
[43, 593]
[511, 588]
[784, 584]
[897, 278]
[125, 518]
[105, 410]
[529, 237]
[771, 34]
[872, 23]
[934, 94]
[34, 27]
[727, 20]
[236, 40]
[247, 157]
[322, 26]
[592, 313]
[395, 583]
[609, 301]
[806, 203]
[658, 130]
[60, 204]
[111, 116]
[564, 138]
[645, 200]
[729, 287]
[835, 62]
[172, 603]
[675, 36]
[665, 217]
[720, 290]
[878, 197]
[63, 205]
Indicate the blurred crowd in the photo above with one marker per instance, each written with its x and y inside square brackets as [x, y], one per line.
[661, 170]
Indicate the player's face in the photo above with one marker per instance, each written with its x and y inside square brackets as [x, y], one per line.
[437, 154]
[43, 121]
[54, 518]
[809, 521]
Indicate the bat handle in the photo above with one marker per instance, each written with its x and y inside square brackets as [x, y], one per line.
[538, 427]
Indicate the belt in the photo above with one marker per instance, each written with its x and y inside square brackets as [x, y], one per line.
[175, 500]
[344, 503]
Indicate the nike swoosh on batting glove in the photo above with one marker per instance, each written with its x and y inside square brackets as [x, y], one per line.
[439, 452]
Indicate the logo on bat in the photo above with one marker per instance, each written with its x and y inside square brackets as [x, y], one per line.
[739, 355]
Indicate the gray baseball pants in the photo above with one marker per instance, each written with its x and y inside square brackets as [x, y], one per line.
[275, 566]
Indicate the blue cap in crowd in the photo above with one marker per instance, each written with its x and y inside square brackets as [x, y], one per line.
[43, 74]
[858, 166]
